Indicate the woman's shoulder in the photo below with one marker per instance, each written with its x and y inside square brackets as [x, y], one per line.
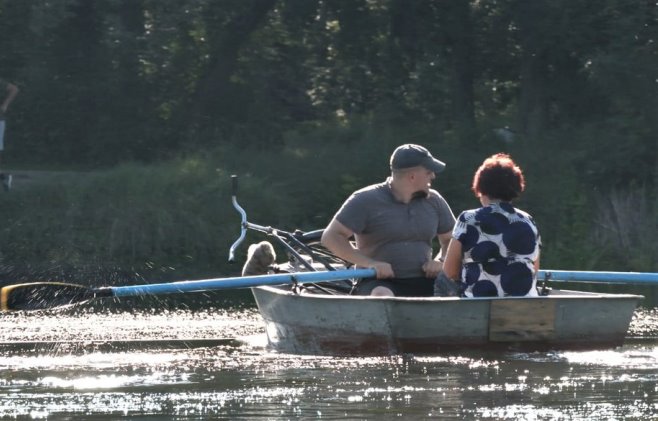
[508, 209]
[523, 214]
[468, 214]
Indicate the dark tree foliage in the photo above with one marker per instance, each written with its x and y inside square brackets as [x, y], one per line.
[124, 80]
[569, 86]
[104, 82]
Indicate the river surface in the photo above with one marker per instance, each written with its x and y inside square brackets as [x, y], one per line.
[146, 360]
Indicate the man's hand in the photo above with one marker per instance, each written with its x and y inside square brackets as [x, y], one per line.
[384, 270]
[432, 268]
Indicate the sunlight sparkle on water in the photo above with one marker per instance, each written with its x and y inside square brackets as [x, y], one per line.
[92, 360]
[107, 325]
[244, 379]
[640, 358]
[105, 382]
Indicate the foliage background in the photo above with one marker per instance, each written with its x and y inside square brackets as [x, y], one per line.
[149, 106]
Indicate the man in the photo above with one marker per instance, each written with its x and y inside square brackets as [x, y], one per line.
[394, 223]
[12, 91]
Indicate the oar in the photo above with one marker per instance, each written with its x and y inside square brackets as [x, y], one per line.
[45, 295]
[599, 277]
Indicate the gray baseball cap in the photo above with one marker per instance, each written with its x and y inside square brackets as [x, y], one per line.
[410, 155]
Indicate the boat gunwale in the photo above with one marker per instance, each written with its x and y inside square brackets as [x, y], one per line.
[571, 294]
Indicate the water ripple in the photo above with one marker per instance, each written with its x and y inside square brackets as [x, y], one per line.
[213, 363]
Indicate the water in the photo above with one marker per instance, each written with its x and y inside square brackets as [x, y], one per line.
[197, 361]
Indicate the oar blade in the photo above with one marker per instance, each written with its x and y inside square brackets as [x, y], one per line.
[43, 295]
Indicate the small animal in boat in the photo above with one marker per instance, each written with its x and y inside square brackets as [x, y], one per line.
[260, 257]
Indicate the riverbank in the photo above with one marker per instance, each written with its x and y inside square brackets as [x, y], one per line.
[123, 224]
[173, 220]
[25, 179]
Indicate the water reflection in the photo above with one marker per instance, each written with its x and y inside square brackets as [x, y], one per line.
[104, 361]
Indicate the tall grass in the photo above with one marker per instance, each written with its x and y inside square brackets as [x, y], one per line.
[175, 220]
[145, 219]
[626, 224]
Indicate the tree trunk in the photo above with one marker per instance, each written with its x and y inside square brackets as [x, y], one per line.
[460, 38]
[535, 23]
[210, 96]
[533, 102]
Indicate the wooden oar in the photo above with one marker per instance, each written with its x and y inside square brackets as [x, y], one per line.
[45, 295]
[599, 277]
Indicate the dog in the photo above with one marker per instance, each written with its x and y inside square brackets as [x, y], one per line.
[259, 259]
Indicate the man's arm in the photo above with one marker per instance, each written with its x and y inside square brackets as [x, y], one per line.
[433, 267]
[444, 241]
[336, 238]
[12, 91]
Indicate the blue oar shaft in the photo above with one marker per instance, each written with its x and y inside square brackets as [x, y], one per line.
[599, 277]
[323, 276]
[240, 282]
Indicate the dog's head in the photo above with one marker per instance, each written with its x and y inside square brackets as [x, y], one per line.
[262, 252]
[259, 258]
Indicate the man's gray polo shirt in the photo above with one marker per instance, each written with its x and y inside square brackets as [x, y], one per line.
[391, 231]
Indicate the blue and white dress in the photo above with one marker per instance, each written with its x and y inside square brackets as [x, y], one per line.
[500, 245]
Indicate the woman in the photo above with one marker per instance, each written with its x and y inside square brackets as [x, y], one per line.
[495, 247]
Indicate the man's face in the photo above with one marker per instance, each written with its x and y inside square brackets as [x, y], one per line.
[423, 179]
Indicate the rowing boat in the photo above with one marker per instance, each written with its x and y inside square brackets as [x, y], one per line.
[325, 319]
[318, 323]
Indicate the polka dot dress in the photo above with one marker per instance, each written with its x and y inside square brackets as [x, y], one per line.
[500, 244]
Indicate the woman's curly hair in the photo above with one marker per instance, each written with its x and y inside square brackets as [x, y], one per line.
[499, 178]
